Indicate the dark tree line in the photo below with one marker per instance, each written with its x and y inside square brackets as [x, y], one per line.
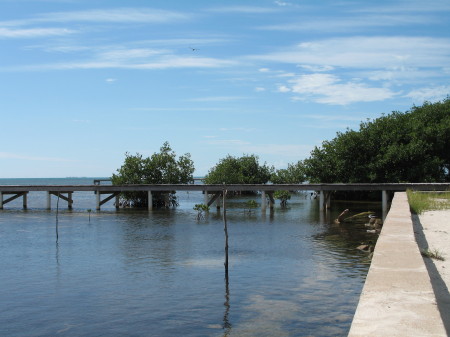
[411, 146]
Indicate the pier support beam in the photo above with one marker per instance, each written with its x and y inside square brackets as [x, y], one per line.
[324, 200]
[97, 200]
[49, 201]
[24, 197]
[271, 200]
[384, 204]
[61, 196]
[100, 202]
[150, 200]
[15, 195]
[263, 201]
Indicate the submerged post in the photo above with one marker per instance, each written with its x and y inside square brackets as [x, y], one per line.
[321, 201]
[49, 200]
[97, 198]
[150, 201]
[1, 200]
[70, 202]
[263, 201]
[117, 204]
[384, 204]
[25, 200]
[225, 228]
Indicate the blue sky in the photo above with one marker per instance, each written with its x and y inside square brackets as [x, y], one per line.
[83, 82]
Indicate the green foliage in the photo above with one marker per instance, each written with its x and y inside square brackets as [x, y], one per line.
[283, 196]
[200, 208]
[251, 204]
[400, 147]
[242, 170]
[160, 168]
[420, 202]
[294, 174]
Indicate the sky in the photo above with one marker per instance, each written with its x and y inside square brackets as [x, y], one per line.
[82, 82]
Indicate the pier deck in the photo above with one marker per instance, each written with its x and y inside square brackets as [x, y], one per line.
[114, 190]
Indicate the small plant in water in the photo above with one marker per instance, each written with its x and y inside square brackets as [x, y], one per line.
[432, 254]
[201, 208]
[89, 211]
[283, 196]
[250, 204]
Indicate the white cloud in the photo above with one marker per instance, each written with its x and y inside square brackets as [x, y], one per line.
[116, 15]
[367, 52]
[217, 99]
[350, 23]
[33, 32]
[429, 94]
[244, 9]
[163, 61]
[283, 88]
[329, 89]
[316, 68]
[260, 89]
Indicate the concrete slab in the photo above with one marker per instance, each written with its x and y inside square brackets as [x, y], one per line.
[397, 298]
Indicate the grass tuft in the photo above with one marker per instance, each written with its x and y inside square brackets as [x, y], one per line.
[432, 254]
[420, 202]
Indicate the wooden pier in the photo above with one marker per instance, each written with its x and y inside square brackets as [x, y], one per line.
[212, 192]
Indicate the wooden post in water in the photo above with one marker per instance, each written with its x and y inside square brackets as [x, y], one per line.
[384, 203]
[49, 200]
[263, 201]
[321, 201]
[25, 200]
[97, 198]
[225, 228]
[150, 201]
[1, 200]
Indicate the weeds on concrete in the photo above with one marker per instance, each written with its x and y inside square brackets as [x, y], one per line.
[420, 202]
[432, 254]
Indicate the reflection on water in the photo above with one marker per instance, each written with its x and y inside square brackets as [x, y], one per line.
[135, 273]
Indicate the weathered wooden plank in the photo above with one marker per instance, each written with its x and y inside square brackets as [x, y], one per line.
[17, 195]
[63, 197]
[231, 187]
[109, 198]
[214, 198]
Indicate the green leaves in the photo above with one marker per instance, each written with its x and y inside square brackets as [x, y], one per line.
[400, 147]
[160, 168]
[242, 170]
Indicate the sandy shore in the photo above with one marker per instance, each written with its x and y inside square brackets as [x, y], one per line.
[432, 231]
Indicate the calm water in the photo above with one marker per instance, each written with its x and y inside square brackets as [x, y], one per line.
[135, 273]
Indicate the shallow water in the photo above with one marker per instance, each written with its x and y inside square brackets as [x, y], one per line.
[135, 273]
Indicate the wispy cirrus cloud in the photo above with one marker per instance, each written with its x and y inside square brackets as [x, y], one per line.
[113, 15]
[217, 99]
[330, 89]
[430, 94]
[7, 32]
[129, 60]
[244, 9]
[8, 155]
[366, 52]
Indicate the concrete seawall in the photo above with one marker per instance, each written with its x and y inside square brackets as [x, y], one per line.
[397, 298]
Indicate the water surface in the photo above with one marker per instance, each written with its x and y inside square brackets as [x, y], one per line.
[161, 273]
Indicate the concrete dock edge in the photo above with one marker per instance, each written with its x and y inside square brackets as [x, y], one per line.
[397, 298]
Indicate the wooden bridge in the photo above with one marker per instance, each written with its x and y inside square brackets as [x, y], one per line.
[212, 192]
